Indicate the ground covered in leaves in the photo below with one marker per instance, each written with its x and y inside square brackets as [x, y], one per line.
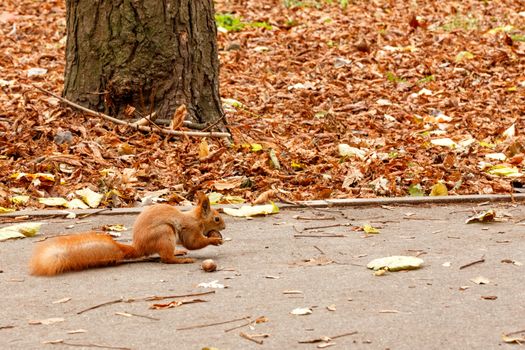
[325, 99]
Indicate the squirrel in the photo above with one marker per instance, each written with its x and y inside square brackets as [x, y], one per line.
[156, 230]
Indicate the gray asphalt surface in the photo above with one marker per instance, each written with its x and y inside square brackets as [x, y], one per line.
[435, 307]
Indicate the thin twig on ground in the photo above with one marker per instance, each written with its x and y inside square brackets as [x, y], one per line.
[149, 298]
[481, 260]
[326, 226]
[251, 338]
[138, 127]
[324, 338]
[86, 345]
[329, 235]
[213, 324]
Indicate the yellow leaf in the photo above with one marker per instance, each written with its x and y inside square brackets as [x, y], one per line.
[5, 210]
[395, 263]
[29, 229]
[19, 199]
[439, 189]
[297, 166]
[369, 229]
[463, 56]
[53, 201]
[204, 149]
[90, 197]
[502, 170]
[247, 211]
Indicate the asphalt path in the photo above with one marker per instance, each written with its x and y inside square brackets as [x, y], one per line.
[309, 260]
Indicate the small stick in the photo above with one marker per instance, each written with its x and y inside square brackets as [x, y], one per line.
[150, 298]
[319, 249]
[249, 337]
[325, 226]
[138, 127]
[315, 218]
[94, 213]
[516, 332]
[7, 327]
[320, 236]
[137, 315]
[212, 324]
[239, 326]
[318, 340]
[153, 298]
[88, 345]
[100, 305]
[482, 260]
[343, 335]
[257, 320]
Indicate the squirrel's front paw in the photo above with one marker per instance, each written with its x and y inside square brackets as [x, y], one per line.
[215, 240]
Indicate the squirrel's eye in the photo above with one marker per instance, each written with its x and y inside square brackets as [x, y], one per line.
[217, 219]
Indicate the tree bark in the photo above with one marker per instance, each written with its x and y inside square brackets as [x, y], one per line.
[149, 54]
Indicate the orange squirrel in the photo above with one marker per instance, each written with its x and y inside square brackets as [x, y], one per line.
[157, 229]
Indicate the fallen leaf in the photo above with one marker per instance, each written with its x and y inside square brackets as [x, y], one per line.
[480, 280]
[395, 263]
[228, 183]
[486, 216]
[212, 284]
[504, 171]
[348, 151]
[369, 229]
[510, 339]
[301, 311]
[90, 197]
[53, 201]
[331, 307]
[23, 230]
[439, 189]
[445, 142]
[247, 211]
[489, 297]
[46, 321]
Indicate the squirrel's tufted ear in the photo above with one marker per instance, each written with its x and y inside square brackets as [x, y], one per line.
[203, 203]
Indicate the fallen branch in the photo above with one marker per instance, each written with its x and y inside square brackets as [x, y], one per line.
[325, 338]
[138, 127]
[86, 345]
[150, 298]
[325, 226]
[212, 324]
[315, 218]
[258, 320]
[251, 338]
[482, 260]
[319, 236]
[129, 314]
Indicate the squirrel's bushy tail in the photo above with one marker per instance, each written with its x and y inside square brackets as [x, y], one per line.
[77, 252]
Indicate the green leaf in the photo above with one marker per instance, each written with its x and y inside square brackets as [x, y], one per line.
[416, 190]
[439, 189]
[505, 171]
[463, 56]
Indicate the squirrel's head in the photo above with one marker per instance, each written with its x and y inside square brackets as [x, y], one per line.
[210, 217]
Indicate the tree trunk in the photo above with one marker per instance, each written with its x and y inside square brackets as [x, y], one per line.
[149, 54]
